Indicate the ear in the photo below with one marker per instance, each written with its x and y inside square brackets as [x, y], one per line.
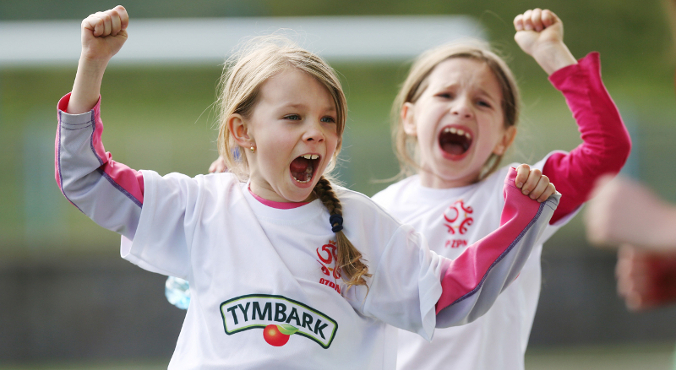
[506, 141]
[240, 131]
[408, 120]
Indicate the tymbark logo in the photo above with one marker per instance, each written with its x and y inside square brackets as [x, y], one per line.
[280, 317]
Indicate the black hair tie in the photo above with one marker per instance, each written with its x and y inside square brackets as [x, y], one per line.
[336, 223]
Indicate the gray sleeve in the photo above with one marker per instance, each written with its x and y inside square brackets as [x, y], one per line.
[109, 193]
[472, 282]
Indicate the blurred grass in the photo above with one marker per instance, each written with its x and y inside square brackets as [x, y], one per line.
[99, 365]
[618, 357]
[163, 119]
[160, 118]
[655, 356]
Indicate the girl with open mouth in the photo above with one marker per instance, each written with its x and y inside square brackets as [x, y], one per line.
[454, 119]
[286, 269]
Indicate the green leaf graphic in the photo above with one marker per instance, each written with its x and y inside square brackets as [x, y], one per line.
[287, 329]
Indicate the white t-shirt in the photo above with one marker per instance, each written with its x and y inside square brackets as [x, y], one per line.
[451, 220]
[262, 276]
[251, 265]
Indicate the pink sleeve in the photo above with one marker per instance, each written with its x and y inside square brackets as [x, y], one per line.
[472, 282]
[126, 179]
[108, 192]
[605, 141]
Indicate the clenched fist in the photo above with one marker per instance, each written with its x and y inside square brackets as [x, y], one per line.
[104, 33]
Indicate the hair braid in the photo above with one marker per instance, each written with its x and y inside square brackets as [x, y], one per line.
[349, 259]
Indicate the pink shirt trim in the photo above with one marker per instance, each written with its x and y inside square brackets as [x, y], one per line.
[126, 178]
[277, 205]
[466, 274]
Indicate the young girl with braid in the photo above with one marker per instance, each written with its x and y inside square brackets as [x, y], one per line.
[455, 117]
[286, 269]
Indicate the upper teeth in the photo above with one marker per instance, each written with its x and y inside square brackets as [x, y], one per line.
[310, 156]
[458, 131]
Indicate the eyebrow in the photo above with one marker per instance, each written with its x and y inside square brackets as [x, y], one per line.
[480, 89]
[332, 108]
[487, 94]
[444, 86]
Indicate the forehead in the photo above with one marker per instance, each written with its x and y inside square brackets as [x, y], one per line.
[464, 72]
[292, 86]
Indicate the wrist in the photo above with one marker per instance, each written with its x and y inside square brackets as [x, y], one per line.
[87, 85]
[92, 65]
[553, 57]
[664, 236]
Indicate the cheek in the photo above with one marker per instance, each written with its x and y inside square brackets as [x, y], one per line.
[427, 134]
[332, 146]
[428, 121]
[494, 125]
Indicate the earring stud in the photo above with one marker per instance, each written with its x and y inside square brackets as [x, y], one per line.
[253, 149]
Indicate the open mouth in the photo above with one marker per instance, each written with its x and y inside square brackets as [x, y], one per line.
[455, 141]
[303, 167]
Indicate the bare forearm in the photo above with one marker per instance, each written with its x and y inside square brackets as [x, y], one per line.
[625, 211]
[87, 85]
[661, 235]
[103, 34]
[554, 57]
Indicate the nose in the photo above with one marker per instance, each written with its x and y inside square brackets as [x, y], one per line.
[462, 107]
[314, 133]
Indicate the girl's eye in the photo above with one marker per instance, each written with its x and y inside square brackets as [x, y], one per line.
[328, 119]
[484, 103]
[445, 95]
[293, 117]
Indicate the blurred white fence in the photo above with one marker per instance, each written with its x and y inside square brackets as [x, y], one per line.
[210, 40]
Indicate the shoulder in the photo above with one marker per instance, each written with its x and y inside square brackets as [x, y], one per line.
[496, 179]
[555, 155]
[359, 206]
[176, 177]
[395, 191]
[369, 226]
[174, 182]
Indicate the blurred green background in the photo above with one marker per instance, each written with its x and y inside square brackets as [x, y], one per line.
[161, 118]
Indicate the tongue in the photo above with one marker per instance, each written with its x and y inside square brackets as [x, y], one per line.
[453, 148]
[301, 169]
[299, 164]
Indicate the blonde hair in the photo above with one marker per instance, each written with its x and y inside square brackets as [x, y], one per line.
[416, 82]
[243, 75]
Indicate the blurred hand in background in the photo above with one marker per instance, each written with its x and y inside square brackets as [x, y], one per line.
[645, 279]
[218, 165]
[626, 213]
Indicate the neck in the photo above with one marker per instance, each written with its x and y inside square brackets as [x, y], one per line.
[279, 205]
[429, 179]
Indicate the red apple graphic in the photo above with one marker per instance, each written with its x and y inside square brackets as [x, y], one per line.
[278, 335]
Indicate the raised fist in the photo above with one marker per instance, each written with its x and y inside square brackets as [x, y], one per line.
[104, 33]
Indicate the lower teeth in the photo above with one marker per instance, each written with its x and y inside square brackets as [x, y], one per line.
[308, 174]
